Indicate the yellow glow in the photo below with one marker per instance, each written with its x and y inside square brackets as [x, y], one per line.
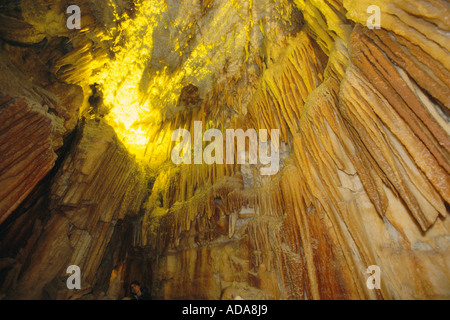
[139, 98]
[122, 77]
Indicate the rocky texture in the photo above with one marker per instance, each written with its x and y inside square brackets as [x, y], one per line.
[97, 185]
[364, 157]
[365, 185]
[414, 154]
[35, 122]
[27, 153]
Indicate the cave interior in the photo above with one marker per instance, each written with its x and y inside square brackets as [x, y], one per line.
[349, 97]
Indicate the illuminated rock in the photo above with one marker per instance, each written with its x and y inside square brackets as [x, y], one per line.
[364, 152]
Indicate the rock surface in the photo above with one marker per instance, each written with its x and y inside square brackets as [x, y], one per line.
[86, 176]
[97, 185]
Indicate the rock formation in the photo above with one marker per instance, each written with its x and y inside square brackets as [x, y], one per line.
[87, 179]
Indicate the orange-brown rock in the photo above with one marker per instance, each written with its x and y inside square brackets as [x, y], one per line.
[97, 185]
[35, 123]
[364, 167]
[26, 145]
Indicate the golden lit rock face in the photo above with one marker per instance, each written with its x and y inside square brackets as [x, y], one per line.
[364, 155]
[163, 47]
[168, 46]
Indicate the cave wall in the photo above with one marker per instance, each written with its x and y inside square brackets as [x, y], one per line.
[364, 175]
[357, 189]
[96, 186]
